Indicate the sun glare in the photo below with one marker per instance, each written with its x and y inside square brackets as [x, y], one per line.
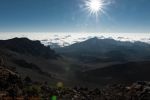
[95, 7]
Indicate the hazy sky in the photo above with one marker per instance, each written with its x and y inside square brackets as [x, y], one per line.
[70, 16]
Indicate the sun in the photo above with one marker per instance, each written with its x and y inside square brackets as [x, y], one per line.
[95, 7]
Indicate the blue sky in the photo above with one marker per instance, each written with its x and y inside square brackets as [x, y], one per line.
[122, 16]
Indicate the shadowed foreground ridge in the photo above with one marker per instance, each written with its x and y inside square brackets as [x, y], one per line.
[12, 87]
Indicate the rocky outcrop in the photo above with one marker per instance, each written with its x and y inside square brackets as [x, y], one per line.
[10, 82]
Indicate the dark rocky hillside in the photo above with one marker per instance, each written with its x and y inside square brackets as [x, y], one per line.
[32, 58]
[13, 87]
[26, 46]
[100, 61]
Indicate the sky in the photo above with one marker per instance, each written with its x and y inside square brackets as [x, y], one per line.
[122, 16]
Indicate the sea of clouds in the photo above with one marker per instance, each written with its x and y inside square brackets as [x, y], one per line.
[65, 39]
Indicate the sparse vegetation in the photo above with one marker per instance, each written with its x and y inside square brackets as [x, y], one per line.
[27, 89]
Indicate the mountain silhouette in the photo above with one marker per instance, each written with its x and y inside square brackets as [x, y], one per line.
[26, 46]
[107, 50]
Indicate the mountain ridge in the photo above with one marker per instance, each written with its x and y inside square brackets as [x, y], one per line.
[26, 46]
[107, 48]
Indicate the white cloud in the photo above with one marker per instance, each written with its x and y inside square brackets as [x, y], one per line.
[64, 39]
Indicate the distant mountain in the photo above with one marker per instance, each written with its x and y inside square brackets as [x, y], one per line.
[107, 50]
[26, 46]
[66, 39]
